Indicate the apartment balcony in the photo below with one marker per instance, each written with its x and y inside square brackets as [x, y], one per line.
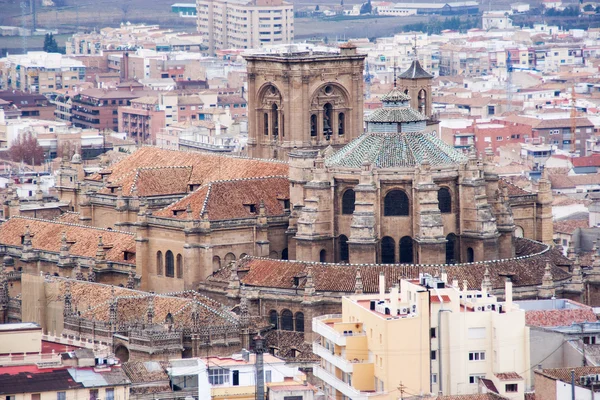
[324, 326]
[340, 362]
[342, 386]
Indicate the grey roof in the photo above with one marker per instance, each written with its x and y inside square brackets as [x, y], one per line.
[415, 71]
[395, 96]
[395, 115]
[395, 150]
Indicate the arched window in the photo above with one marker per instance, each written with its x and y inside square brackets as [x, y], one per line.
[323, 256]
[299, 322]
[423, 101]
[519, 232]
[327, 129]
[344, 253]
[229, 257]
[284, 254]
[159, 263]
[470, 255]
[216, 263]
[341, 123]
[313, 125]
[243, 255]
[169, 264]
[406, 250]
[348, 199]
[169, 319]
[275, 119]
[274, 319]
[395, 203]
[266, 123]
[287, 320]
[388, 250]
[451, 249]
[179, 266]
[445, 200]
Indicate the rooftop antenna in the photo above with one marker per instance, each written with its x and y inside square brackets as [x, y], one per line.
[415, 47]
[395, 78]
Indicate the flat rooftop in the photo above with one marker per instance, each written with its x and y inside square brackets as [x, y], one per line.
[20, 326]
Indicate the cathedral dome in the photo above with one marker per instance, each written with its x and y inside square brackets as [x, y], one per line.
[395, 150]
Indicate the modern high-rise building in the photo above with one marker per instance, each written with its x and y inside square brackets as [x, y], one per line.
[423, 336]
[244, 24]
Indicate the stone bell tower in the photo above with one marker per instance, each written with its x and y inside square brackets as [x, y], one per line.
[303, 100]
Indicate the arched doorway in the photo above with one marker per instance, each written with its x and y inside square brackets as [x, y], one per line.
[406, 250]
[323, 256]
[422, 101]
[451, 249]
[348, 199]
[388, 250]
[327, 120]
[445, 200]
[284, 254]
[344, 252]
[470, 255]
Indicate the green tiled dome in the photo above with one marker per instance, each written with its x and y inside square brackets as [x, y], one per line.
[395, 150]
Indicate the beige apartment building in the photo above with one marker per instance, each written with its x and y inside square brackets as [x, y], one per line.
[244, 24]
[427, 337]
[40, 72]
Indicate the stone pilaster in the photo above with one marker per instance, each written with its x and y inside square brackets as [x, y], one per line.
[363, 242]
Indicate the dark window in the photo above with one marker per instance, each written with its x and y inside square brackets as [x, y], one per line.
[344, 252]
[313, 125]
[445, 200]
[432, 333]
[341, 123]
[323, 256]
[179, 266]
[236, 377]
[512, 387]
[299, 322]
[93, 394]
[275, 119]
[266, 121]
[433, 354]
[395, 203]
[470, 255]
[159, 263]
[169, 264]
[423, 102]
[451, 249]
[406, 250]
[388, 250]
[284, 254]
[348, 199]
[287, 320]
[273, 318]
[327, 119]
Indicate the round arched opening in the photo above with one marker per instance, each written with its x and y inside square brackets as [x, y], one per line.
[122, 353]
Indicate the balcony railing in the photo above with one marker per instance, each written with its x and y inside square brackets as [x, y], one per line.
[342, 386]
[320, 326]
[330, 357]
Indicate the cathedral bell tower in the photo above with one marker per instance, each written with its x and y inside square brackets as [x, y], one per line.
[303, 99]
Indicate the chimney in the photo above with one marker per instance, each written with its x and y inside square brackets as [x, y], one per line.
[394, 300]
[508, 295]
[381, 286]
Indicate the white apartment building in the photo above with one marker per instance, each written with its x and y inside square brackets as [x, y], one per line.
[426, 335]
[244, 24]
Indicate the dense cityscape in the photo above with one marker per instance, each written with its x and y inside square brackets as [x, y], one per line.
[288, 200]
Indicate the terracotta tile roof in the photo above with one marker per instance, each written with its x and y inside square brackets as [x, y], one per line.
[562, 123]
[570, 226]
[68, 217]
[42, 381]
[286, 342]
[153, 181]
[231, 199]
[560, 317]
[132, 305]
[513, 190]
[508, 376]
[564, 374]
[586, 161]
[46, 236]
[206, 167]
[526, 270]
[481, 396]
[146, 371]
[560, 181]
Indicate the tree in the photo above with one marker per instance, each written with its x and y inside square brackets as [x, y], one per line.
[26, 148]
[342, 3]
[366, 8]
[50, 45]
[317, 8]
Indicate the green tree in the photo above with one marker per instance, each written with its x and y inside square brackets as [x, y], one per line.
[588, 7]
[50, 44]
[366, 8]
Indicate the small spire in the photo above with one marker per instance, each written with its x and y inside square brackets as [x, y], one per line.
[487, 282]
[131, 280]
[547, 278]
[244, 313]
[150, 311]
[78, 272]
[395, 77]
[100, 253]
[309, 286]
[91, 275]
[67, 308]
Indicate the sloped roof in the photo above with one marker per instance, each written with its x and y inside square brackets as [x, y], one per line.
[564, 374]
[46, 235]
[205, 167]
[527, 269]
[395, 150]
[42, 381]
[395, 115]
[565, 317]
[395, 95]
[415, 71]
[154, 181]
[228, 199]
